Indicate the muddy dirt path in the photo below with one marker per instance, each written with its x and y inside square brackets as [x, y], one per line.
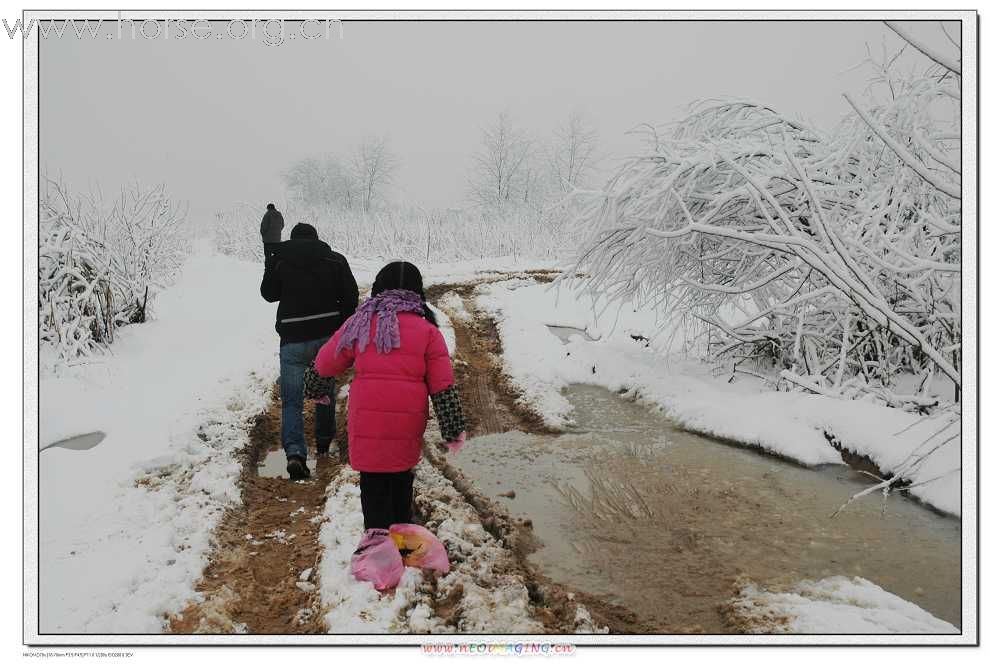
[261, 576]
[489, 398]
[262, 573]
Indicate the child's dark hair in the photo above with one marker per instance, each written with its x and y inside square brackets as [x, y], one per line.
[403, 275]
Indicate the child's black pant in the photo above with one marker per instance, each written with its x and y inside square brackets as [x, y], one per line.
[386, 498]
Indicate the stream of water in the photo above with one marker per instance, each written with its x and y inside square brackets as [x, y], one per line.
[665, 522]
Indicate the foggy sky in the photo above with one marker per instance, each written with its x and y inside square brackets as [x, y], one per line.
[217, 120]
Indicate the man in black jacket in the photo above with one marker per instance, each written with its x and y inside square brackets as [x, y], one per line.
[270, 229]
[316, 292]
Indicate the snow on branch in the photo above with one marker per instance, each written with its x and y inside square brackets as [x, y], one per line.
[951, 64]
[804, 251]
[952, 190]
[897, 477]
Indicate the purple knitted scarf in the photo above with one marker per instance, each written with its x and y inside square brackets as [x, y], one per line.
[386, 305]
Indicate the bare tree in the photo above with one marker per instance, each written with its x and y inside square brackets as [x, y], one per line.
[500, 174]
[373, 166]
[320, 181]
[571, 154]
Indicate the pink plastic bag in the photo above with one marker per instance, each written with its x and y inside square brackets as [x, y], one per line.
[377, 560]
[425, 550]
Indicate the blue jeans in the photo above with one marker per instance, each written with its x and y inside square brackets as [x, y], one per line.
[295, 358]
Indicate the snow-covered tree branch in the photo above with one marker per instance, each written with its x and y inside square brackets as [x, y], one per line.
[834, 257]
[951, 64]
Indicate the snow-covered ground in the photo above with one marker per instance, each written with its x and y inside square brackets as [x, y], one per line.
[833, 605]
[125, 526]
[607, 353]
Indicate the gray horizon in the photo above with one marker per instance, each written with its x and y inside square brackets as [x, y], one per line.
[217, 121]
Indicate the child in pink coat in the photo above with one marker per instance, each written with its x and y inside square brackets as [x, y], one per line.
[399, 358]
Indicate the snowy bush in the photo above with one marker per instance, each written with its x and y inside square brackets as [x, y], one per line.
[415, 235]
[101, 264]
[515, 207]
[831, 260]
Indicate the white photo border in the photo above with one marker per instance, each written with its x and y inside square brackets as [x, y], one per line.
[969, 635]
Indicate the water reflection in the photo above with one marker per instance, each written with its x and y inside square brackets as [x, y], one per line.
[274, 463]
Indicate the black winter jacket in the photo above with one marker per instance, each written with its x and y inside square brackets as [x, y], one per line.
[271, 225]
[314, 286]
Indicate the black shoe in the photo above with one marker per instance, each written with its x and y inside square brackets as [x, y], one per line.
[323, 449]
[297, 469]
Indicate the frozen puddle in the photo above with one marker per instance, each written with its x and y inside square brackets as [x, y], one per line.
[665, 521]
[78, 442]
[273, 465]
[565, 333]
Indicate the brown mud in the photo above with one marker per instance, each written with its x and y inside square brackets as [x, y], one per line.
[253, 582]
[490, 400]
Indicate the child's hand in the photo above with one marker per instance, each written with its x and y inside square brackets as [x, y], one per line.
[456, 445]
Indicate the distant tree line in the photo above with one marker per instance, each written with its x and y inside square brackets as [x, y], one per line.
[510, 169]
[357, 182]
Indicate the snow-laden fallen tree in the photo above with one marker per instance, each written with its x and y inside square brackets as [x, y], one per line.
[832, 260]
[100, 263]
[825, 263]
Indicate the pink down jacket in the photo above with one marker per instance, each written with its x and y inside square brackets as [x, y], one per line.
[387, 408]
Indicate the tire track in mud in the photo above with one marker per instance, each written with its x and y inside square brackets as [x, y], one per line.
[490, 398]
[255, 580]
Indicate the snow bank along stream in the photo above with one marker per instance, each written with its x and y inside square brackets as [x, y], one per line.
[554, 336]
[666, 522]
